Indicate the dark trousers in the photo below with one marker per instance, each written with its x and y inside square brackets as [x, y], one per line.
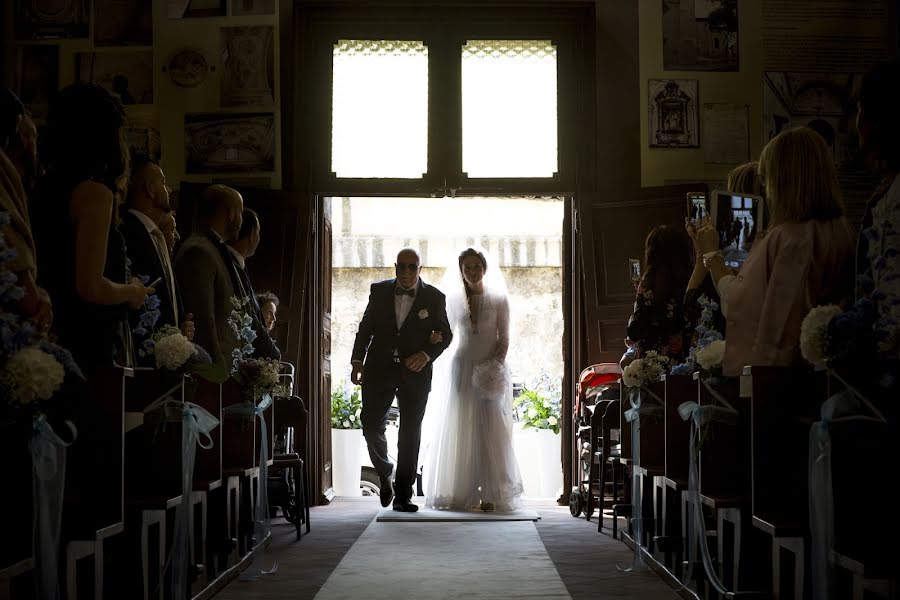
[377, 397]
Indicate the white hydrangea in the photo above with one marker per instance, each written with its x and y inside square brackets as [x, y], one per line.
[33, 375]
[172, 351]
[711, 356]
[814, 330]
[632, 374]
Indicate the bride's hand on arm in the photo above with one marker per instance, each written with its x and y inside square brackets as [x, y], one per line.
[436, 337]
[416, 362]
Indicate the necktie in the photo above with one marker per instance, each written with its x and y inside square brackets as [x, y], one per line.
[401, 292]
[160, 242]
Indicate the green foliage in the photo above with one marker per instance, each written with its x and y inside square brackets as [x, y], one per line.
[538, 407]
[346, 406]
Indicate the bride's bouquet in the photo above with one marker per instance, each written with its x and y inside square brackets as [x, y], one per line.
[492, 378]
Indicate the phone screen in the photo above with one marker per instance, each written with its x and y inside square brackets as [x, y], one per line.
[737, 219]
[698, 207]
[634, 268]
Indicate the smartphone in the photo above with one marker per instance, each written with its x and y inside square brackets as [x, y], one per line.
[634, 269]
[697, 205]
[155, 282]
[738, 218]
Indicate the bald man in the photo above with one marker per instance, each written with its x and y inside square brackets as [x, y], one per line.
[203, 271]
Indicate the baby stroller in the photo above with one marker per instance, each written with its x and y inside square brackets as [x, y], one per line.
[597, 383]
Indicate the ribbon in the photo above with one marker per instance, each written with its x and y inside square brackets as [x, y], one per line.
[700, 416]
[638, 408]
[261, 525]
[196, 421]
[48, 462]
[843, 406]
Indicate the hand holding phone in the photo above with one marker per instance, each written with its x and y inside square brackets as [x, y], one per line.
[154, 283]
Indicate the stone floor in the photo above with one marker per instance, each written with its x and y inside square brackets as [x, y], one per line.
[587, 562]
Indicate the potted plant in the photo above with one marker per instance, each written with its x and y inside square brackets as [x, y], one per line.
[537, 410]
[346, 438]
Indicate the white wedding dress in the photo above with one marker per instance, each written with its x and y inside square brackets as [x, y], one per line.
[469, 459]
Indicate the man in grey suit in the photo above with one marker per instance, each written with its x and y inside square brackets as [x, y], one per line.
[203, 270]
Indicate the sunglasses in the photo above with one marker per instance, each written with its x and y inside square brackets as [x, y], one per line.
[407, 266]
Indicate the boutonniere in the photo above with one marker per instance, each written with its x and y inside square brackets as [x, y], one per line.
[423, 314]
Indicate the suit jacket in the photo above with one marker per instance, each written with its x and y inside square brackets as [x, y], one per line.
[145, 260]
[206, 289]
[263, 346]
[378, 336]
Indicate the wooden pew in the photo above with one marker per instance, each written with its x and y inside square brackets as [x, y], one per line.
[93, 510]
[651, 461]
[784, 404]
[669, 486]
[16, 540]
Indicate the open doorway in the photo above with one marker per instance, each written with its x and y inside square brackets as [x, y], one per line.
[524, 236]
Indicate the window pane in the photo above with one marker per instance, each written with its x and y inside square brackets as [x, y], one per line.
[380, 109]
[509, 108]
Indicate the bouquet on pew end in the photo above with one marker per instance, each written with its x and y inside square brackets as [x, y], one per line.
[33, 370]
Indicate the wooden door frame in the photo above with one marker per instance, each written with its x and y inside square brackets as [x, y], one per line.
[577, 142]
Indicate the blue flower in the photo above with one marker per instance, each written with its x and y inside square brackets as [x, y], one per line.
[152, 302]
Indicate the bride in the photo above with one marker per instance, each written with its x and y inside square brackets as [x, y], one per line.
[471, 464]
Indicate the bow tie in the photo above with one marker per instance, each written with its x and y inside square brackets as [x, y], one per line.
[401, 292]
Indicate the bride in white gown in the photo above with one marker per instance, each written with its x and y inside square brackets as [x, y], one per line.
[470, 462]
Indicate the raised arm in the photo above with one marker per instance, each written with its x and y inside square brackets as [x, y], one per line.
[91, 212]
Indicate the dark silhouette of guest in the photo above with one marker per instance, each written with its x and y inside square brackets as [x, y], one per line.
[120, 87]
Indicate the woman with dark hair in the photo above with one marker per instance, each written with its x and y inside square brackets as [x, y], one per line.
[82, 253]
[658, 321]
[472, 464]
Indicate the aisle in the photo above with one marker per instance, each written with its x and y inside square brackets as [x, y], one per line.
[424, 560]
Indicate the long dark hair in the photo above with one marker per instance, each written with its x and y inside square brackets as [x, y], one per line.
[668, 261]
[468, 252]
[86, 138]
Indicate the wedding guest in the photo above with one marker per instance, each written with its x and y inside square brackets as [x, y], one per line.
[743, 179]
[877, 262]
[147, 203]
[658, 321]
[241, 249]
[76, 227]
[268, 305]
[203, 271]
[18, 168]
[805, 259]
[169, 227]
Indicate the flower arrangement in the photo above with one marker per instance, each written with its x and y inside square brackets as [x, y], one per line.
[241, 325]
[538, 406]
[645, 370]
[149, 315]
[258, 377]
[706, 335]
[32, 369]
[814, 338]
[346, 406]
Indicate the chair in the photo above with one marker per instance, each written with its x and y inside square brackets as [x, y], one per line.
[287, 476]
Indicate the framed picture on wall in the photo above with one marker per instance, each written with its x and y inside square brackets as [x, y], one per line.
[123, 23]
[142, 131]
[248, 72]
[36, 19]
[673, 113]
[190, 9]
[37, 77]
[700, 35]
[252, 7]
[128, 75]
[229, 142]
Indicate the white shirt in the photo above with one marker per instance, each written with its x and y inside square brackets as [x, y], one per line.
[238, 257]
[162, 253]
[403, 304]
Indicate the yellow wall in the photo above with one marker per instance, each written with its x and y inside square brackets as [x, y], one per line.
[738, 87]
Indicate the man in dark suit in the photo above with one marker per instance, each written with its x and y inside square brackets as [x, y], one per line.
[403, 329]
[241, 249]
[203, 271]
[146, 205]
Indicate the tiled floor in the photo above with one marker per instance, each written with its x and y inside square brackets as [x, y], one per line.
[585, 560]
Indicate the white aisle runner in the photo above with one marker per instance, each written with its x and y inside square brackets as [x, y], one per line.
[499, 559]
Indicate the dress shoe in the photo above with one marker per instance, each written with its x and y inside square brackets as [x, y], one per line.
[404, 505]
[386, 490]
